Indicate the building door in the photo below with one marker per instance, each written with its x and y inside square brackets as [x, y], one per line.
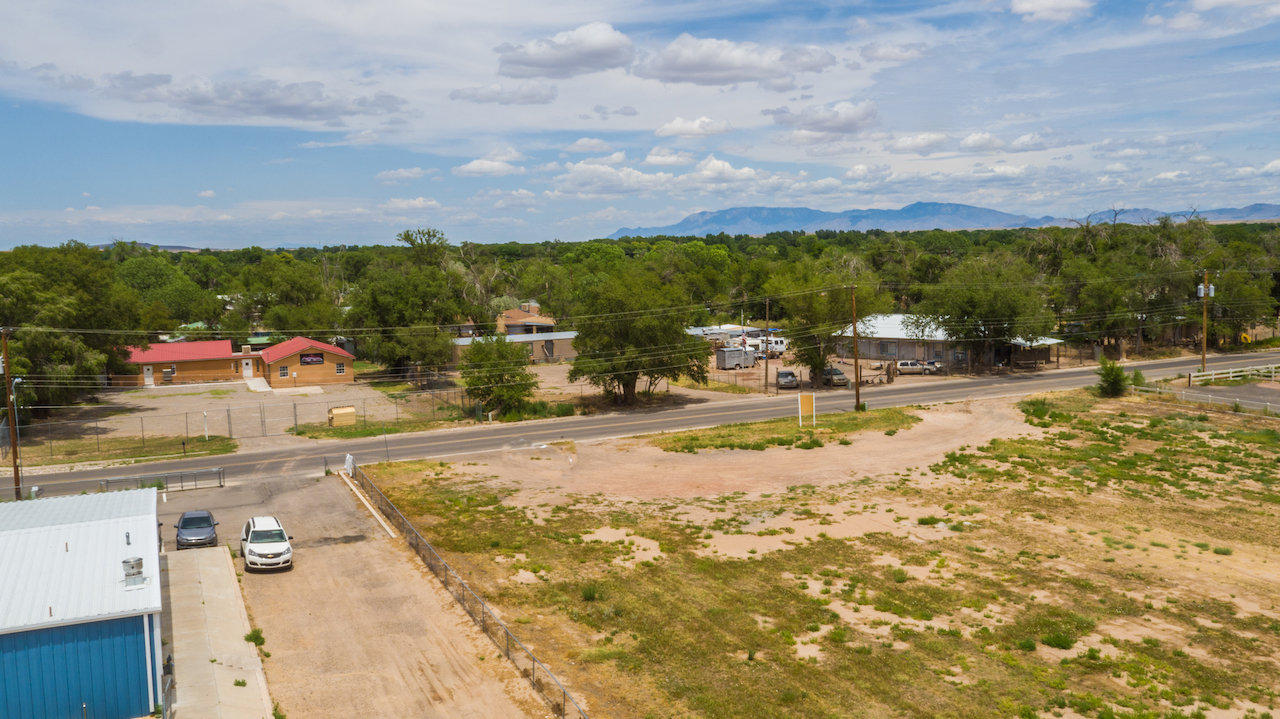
[148, 378]
[246, 367]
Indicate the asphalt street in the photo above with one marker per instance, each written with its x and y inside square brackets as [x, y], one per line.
[310, 460]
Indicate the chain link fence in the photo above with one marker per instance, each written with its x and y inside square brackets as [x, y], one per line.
[199, 432]
[534, 671]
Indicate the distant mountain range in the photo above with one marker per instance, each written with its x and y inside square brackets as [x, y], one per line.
[916, 216]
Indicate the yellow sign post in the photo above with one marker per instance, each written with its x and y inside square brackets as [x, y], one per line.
[807, 404]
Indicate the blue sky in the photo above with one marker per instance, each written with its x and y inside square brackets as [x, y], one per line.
[291, 122]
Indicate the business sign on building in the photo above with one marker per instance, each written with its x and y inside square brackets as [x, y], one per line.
[311, 358]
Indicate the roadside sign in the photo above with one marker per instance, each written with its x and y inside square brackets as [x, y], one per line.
[807, 404]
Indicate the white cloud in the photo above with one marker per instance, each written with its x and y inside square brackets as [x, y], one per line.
[664, 157]
[528, 93]
[590, 48]
[1051, 10]
[588, 144]
[1170, 176]
[1028, 142]
[867, 173]
[1271, 168]
[981, 142]
[709, 61]
[1180, 21]
[413, 203]
[700, 127]
[616, 158]
[390, 177]
[824, 123]
[206, 193]
[1117, 167]
[886, 52]
[586, 180]
[713, 172]
[505, 153]
[921, 143]
[484, 167]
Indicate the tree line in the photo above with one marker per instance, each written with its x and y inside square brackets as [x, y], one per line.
[629, 299]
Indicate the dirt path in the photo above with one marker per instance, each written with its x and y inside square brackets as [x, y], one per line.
[360, 628]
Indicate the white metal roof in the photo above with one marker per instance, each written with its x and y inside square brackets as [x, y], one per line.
[899, 327]
[61, 559]
[523, 337]
[894, 327]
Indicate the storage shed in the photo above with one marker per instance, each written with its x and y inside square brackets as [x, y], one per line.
[80, 606]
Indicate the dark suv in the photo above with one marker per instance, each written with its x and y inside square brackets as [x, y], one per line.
[197, 529]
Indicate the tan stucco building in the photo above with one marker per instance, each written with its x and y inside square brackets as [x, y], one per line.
[294, 362]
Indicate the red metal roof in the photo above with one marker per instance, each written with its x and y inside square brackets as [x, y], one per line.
[299, 344]
[181, 352]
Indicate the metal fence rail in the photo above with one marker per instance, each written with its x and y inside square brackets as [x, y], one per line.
[1268, 408]
[543, 681]
[1270, 371]
[168, 481]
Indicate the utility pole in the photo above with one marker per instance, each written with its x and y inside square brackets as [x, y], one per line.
[13, 414]
[768, 344]
[857, 366]
[1204, 325]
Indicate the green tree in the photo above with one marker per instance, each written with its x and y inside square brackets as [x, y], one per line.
[814, 298]
[986, 301]
[1111, 379]
[496, 373]
[631, 327]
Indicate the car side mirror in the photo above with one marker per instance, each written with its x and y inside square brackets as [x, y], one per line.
[291, 538]
[216, 523]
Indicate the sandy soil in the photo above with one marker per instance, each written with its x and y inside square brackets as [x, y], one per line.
[635, 469]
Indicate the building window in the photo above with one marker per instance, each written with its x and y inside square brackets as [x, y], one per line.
[340, 368]
[284, 370]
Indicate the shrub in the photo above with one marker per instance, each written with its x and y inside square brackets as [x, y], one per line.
[240, 682]
[1137, 379]
[1111, 379]
[1058, 640]
[929, 521]
[590, 593]
[1222, 550]
[1026, 645]
[255, 637]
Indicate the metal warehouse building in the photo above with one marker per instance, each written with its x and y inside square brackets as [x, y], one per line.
[80, 606]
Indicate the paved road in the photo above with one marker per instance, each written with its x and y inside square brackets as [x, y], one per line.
[300, 461]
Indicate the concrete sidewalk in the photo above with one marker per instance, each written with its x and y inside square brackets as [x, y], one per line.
[207, 624]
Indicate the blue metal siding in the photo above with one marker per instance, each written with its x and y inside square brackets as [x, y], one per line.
[49, 673]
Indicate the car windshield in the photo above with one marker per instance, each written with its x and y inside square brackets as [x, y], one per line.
[267, 535]
[196, 522]
[787, 375]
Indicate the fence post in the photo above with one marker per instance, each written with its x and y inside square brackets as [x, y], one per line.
[97, 435]
[142, 424]
[295, 417]
[230, 434]
[186, 427]
[262, 418]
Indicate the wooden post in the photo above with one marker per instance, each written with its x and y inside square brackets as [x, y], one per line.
[857, 366]
[1204, 327]
[13, 413]
[768, 337]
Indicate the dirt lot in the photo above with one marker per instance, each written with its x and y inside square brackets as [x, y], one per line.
[358, 627]
[1063, 557]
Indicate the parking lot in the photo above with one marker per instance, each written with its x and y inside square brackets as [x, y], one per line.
[358, 627]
